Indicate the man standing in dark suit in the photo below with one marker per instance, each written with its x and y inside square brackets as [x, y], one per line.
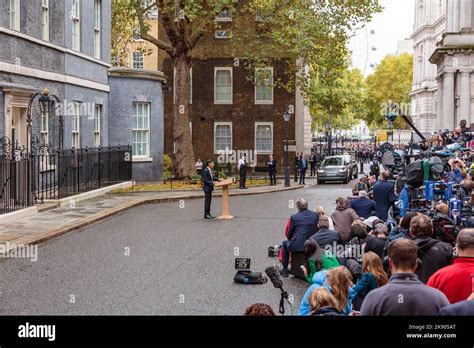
[271, 164]
[208, 187]
[242, 168]
[314, 164]
[384, 196]
[302, 167]
[303, 225]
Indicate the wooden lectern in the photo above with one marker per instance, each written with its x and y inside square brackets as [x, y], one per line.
[225, 184]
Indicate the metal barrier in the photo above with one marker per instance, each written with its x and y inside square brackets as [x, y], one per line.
[30, 178]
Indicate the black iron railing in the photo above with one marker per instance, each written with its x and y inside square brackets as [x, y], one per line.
[65, 173]
[44, 173]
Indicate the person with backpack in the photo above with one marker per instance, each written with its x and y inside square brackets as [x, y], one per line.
[434, 254]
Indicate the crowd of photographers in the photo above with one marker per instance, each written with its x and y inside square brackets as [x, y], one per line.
[402, 244]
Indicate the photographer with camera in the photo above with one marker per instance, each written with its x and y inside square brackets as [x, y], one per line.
[433, 253]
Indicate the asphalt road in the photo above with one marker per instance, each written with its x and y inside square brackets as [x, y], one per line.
[160, 259]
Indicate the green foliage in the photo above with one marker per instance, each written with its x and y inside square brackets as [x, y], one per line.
[392, 80]
[309, 35]
[337, 99]
[167, 167]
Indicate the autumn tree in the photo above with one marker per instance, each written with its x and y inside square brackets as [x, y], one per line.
[391, 81]
[309, 34]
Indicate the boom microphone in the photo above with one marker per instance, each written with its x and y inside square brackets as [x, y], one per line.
[274, 277]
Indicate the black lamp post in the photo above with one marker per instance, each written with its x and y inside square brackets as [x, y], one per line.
[287, 117]
[46, 106]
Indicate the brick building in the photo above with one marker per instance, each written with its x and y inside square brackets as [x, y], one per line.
[229, 111]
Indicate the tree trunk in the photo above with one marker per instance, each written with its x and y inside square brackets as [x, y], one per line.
[183, 163]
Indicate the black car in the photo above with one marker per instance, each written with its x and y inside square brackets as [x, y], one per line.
[338, 168]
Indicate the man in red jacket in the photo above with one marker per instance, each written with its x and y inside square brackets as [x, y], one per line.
[457, 280]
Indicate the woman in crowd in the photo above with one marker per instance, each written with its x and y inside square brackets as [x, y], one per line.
[374, 277]
[317, 259]
[320, 210]
[338, 281]
[323, 303]
[343, 218]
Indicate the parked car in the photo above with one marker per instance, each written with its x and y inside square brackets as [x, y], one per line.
[338, 168]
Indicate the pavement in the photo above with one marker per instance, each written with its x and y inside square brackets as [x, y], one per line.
[54, 221]
[158, 259]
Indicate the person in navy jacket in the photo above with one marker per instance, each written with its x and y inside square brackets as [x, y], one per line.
[303, 225]
[208, 187]
[363, 205]
[384, 196]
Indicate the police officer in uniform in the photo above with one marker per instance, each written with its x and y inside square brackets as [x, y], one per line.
[242, 167]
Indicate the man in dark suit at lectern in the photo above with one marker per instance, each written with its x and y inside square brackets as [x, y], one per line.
[208, 187]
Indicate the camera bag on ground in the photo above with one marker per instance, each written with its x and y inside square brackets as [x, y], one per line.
[249, 277]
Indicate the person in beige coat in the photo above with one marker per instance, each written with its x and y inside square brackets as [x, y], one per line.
[343, 217]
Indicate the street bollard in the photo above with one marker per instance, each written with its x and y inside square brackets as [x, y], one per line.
[362, 167]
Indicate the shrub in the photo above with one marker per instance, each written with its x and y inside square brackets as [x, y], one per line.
[167, 167]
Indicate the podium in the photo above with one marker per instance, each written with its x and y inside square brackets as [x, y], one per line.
[225, 184]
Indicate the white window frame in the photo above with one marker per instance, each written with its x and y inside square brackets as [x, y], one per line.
[45, 20]
[76, 126]
[266, 152]
[76, 25]
[15, 15]
[264, 102]
[97, 120]
[44, 127]
[134, 62]
[191, 129]
[190, 85]
[216, 151]
[228, 33]
[147, 156]
[136, 32]
[97, 28]
[216, 69]
[224, 19]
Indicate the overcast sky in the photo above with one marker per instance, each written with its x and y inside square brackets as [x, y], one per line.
[395, 23]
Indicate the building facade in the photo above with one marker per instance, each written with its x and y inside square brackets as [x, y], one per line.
[65, 46]
[454, 59]
[429, 26]
[230, 113]
[442, 85]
